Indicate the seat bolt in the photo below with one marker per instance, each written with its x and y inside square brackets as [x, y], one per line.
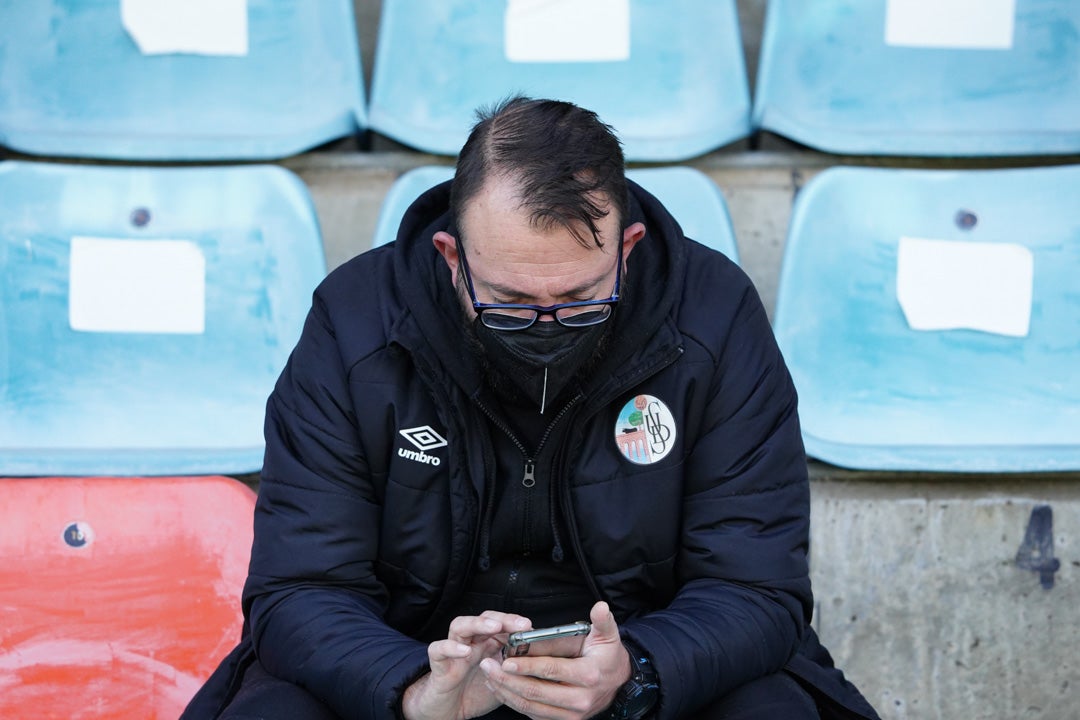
[140, 217]
[966, 220]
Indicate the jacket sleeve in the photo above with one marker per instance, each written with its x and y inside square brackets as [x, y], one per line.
[312, 597]
[744, 592]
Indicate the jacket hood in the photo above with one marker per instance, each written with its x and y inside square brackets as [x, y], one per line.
[643, 311]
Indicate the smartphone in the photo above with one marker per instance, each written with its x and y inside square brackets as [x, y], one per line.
[520, 643]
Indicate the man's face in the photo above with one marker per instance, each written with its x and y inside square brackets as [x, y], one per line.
[512, 261]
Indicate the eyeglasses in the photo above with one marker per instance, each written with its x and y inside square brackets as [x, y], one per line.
[510, 317]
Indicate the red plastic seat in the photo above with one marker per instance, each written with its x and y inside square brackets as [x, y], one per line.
[118, 596]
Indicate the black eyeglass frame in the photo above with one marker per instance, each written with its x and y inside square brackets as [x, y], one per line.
[541, 310]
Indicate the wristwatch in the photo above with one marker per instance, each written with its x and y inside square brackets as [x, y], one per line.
[638, 696]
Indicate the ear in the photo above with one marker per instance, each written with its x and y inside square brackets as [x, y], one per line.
[630, 238]
[446, 245]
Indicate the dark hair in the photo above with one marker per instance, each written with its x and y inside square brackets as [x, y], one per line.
[566, 162]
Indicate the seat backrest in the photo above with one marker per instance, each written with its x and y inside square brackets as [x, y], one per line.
[118, 596]
[692, 198]
[178, 80]
[669, 76]
[931, 321]
[922, 77]
[145, 314]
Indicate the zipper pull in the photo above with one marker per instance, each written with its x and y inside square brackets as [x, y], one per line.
[530, 475]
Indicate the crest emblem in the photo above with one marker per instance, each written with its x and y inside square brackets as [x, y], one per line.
[645, 430]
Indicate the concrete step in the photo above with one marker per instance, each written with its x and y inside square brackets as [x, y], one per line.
[926, 597]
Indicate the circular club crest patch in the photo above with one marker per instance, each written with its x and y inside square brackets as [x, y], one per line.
[645, 430]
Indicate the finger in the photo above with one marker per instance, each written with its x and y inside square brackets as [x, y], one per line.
[450, 662]
[551, 669]
[534, 697]
[448, 650]
[470, 627]
[510, 621]
[603, 622]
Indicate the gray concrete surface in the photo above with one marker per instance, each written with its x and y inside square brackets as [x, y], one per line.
[921, 601]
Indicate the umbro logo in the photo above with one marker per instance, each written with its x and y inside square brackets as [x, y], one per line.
[424, 438]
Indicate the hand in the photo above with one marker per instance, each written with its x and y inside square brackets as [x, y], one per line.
[565, 688]
[455, 688]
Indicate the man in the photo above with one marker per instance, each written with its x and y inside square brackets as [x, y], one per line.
[542, 404]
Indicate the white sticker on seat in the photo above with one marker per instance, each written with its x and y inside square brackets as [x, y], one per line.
[136, 286]
[949, 285]
[539, 31]
[199, 27]
[957, 24]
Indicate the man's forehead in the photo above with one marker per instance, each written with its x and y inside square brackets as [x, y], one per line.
[499, 214]
[497, 198]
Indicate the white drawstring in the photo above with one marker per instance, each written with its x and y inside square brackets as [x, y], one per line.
[543, 396]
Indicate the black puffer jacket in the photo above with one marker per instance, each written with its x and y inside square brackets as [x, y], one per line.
[690, 518]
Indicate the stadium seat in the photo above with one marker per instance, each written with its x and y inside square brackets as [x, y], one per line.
[145, 314]
[118, 596]
[694, 200]
[922, 77]
[178, 79]
[669, 76]
[931, 320]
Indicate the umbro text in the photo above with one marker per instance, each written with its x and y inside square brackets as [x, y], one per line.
[421, 456]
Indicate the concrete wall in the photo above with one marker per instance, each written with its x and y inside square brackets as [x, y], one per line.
[921, 601]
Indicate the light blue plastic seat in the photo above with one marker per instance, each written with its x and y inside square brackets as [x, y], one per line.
[692, 198]
[101, 375]
[876, 393]
[74, 83]
[869, 77]
[678, 91]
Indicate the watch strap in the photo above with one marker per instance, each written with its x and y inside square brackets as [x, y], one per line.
[639, 695]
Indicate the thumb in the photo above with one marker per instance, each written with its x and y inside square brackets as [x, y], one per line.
[604, 627]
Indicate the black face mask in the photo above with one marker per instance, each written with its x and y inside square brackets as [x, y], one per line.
[542, 359]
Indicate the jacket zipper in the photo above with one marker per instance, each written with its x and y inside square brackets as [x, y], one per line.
[528, 477]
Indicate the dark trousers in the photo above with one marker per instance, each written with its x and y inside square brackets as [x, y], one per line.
[774, 697]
